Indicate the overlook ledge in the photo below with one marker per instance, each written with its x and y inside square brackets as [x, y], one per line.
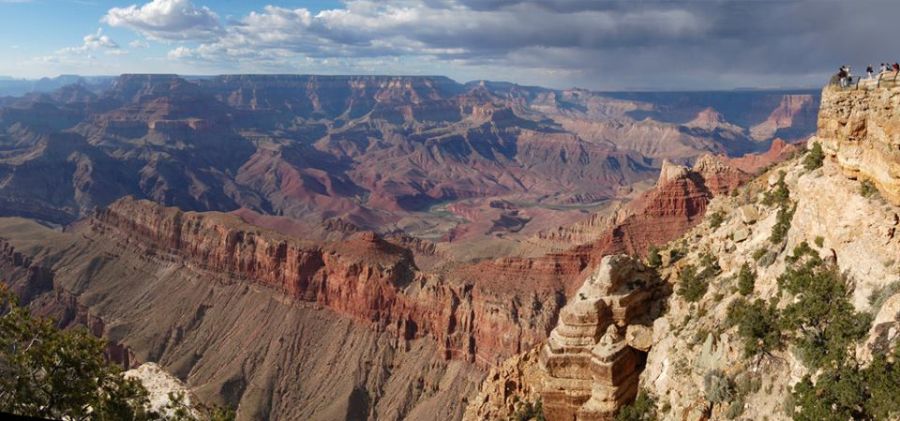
[860, 129]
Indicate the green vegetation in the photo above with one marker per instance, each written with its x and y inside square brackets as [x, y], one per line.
[746, 279]
[654, 260]
[881, 295]
[758, 325]
[642, 409]
[51, 373]
[782, 224]
[822, 326]
[822, 318]
[867, 189]
[717, 387]
[676, 253]
[716, 219]
[530, 412]
[693, 284]
[825, 328]
[691, 287]
[735, 409]
[814, 157]
[850, 391]
[781, 197]
[759, 253]
[820, 241]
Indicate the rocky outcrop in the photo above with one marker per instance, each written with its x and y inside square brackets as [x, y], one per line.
[676, 204]
[589, 368]
[778, 151]
[859, 129]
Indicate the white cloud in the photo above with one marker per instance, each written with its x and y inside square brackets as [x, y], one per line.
[139, 44]
[602, 44]
[91, 44]
[180, 53]
[97, 41]
[166, 20]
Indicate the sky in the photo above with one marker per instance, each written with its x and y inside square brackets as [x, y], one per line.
[594, 44]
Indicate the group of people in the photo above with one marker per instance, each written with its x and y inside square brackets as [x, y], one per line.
[846, 76]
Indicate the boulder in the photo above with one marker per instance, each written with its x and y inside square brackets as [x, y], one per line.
[749, 214]
[740, 234]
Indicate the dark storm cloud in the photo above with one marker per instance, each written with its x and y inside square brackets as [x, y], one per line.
[593, 43]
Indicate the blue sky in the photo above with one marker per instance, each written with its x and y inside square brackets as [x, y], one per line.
[598, 44]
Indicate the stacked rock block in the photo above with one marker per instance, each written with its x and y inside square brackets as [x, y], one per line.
[589, 368]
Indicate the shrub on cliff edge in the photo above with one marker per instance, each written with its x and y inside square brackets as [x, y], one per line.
[642, 409]
[814, 157]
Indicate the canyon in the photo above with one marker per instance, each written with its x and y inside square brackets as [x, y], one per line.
[363, 247]
[674, 348]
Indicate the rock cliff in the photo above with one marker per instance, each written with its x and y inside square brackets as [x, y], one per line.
[860, 129]
[364, 277]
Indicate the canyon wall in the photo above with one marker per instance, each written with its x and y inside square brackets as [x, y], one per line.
[365, 277]
[233, 342]
[860, 129]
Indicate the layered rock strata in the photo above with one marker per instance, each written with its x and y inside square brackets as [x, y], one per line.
[365, 277]
[859, 129]
[589, 368]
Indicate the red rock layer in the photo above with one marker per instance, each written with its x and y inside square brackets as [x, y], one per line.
[753, 163]
[364, 277]
[660, 215]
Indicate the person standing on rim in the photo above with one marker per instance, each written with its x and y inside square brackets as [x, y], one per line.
[869, 72]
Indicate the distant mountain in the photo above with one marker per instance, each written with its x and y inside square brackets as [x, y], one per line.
[16, 87]
[371, 150]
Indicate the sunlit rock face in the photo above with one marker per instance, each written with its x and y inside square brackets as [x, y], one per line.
[860, 129]
[589, 368]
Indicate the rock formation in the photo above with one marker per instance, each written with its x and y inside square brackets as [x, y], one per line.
[589, 369]
[859, 129]
[364, 277]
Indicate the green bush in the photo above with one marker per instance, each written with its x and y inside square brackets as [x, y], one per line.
[849, 391]
[717, 387]
[814, 157]
[746, 279]
[716, 219]
[529, 411]
[758, 325]
[867, 189]
[768, 258]
[780, 195]
[693, 284]
[759, 253]
[50, 373]
[691, 287]
[782, 224]
[642, 409]
[820, 241]
[654, 260]
[735, 409]
[822, 318]
[676, 253]
[63, 374]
